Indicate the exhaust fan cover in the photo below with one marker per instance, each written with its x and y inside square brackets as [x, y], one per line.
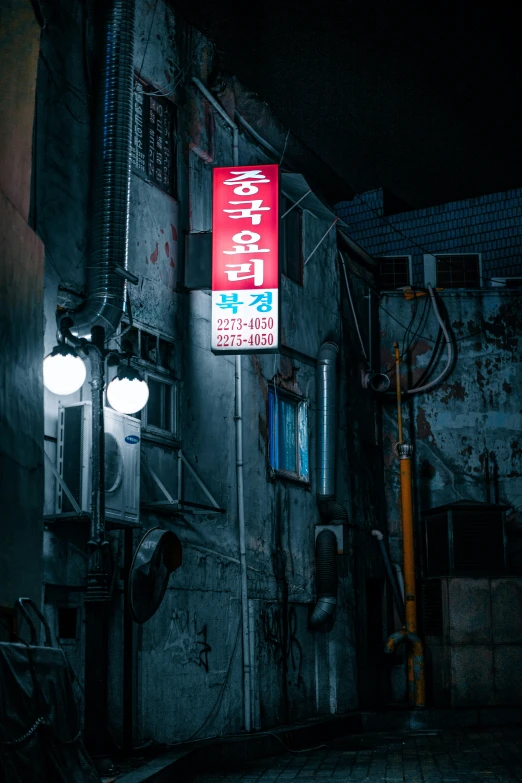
[158, 555]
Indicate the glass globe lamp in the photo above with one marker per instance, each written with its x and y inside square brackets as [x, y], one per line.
[127, 392]
[63, 370]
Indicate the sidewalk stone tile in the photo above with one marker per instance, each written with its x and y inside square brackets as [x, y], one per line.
[459, 756]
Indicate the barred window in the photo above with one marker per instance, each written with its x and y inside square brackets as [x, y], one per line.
[458, 271]
[394, 272]
[155, 358]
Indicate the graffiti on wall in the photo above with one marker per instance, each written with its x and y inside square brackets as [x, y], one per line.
[185, 642]
[281, 641]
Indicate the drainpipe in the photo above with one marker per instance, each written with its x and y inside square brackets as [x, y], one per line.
[97, 320]
[416, 684]
[238, 418]
[108, 261]
[399, 601]
[330, 510]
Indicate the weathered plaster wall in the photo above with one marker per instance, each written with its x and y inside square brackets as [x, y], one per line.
[466, 432]
[187, 678]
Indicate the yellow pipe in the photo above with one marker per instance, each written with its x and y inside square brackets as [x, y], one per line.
[398, 388]
[416, 683]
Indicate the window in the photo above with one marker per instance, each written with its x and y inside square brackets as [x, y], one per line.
[394, 272]
[462, 271]
[155, 357]
[291, 242]
[288, 434]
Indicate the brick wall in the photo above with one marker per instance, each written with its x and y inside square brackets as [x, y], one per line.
[490, 225]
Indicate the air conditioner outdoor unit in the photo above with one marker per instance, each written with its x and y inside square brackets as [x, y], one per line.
[122, 461]
[506, 282]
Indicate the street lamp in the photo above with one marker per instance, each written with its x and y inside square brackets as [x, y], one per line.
[127, 392]
[63, 370]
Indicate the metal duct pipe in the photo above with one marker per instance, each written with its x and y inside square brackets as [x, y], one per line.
[326, 419]
[106, 288]
[327, 433]
[326, 577]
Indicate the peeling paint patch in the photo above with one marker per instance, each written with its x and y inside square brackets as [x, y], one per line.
[154, 255]
[423, 426]
[455, 391]
[421, 347]
[167, 250]
[174, 232]
[256, 364]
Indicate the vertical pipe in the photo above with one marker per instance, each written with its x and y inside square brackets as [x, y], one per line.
[96, 606]
[416, 686]
[370, 328]
[398, 387]
[242, 544]
[97, 363]
[399, 601]
[239, 453]
[128, 643]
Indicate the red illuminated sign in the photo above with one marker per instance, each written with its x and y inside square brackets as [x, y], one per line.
[245, 263]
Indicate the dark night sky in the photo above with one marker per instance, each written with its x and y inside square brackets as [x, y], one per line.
[423, 99]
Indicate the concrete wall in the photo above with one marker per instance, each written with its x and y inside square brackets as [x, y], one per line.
[21, 301]
[187, 670]
[474, 413]
[489, 225]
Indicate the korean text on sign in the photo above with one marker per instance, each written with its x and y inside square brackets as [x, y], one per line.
[245, 264]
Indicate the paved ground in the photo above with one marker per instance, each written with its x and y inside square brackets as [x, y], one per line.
[466, 755]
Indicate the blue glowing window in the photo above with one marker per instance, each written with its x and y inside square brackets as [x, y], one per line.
[288, 434]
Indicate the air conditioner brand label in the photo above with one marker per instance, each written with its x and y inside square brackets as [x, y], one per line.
[132, 439]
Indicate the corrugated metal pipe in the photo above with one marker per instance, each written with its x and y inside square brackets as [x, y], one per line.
[326, 377]
[326, 577]
[108, 259]
[329, 509]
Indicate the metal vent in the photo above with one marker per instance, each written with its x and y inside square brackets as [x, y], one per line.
[466, 541]
[432, 607]
[478, 542]
[113, 464]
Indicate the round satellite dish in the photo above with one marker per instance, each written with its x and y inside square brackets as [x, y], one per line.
[157, 556]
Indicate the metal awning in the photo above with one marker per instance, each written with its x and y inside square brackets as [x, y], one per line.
[296, 189]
